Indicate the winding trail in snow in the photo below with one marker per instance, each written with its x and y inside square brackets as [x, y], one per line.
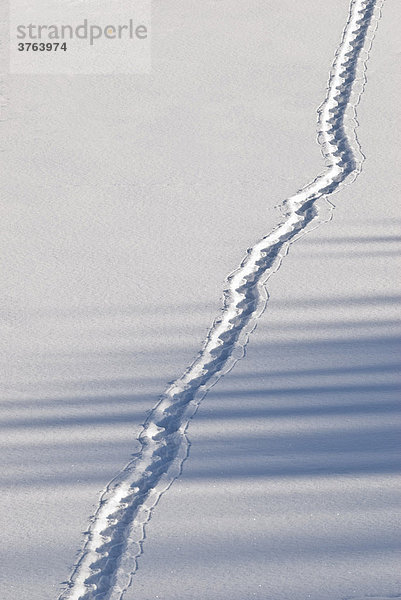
[114, 539]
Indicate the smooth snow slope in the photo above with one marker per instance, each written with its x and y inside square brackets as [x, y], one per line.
[119, 226]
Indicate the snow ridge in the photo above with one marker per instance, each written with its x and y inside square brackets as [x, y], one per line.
[114, 540]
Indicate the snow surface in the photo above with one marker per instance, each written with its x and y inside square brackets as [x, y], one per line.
[128, 201]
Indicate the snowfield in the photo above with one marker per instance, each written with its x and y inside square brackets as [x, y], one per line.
[128, 201]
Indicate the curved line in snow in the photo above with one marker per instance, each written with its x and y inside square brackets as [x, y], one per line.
[114, 539]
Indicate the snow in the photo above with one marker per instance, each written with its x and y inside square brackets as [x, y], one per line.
[128, 201]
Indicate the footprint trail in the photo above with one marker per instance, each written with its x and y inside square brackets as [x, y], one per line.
[114, 539]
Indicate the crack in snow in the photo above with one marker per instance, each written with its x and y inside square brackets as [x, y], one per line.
[115, 535]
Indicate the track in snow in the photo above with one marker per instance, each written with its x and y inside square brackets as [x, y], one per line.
[114, 540]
